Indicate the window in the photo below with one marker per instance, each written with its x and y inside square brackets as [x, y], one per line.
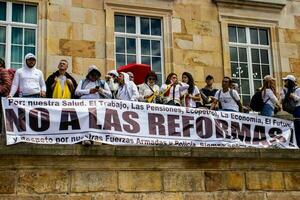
[139, 40]
[249, 58]
[18, 32]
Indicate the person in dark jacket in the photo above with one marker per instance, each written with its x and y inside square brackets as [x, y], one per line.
[60, 84]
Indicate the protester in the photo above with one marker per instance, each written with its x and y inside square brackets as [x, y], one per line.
[149, 91]
[29, 80]
[172, 89]
[227, 99]
[92, 87]
[5, 81]
[269, 96]
[131, 76]
[127, 89]
[60, 84]
[290, 96]
[112, 81]
[192, 96]
[209, 91]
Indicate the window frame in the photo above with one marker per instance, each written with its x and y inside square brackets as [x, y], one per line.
[9, 24]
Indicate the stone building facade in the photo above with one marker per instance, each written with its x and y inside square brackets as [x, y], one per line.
[243, 39]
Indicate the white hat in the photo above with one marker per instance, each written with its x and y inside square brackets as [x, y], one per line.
[92, 67]
[114, 72]
[290, 77]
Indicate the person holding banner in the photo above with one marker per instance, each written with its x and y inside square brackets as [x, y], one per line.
[149, 91]
[29, 80]
[172, 89]
[60, 84]
[208, 92]
[112, 81]
[192, 97]
[92, 87]
[227, 99]
[127, 89]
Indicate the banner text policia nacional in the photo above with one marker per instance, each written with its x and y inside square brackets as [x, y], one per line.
[51, 121]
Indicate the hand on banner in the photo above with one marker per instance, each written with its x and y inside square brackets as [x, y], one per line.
[43, 94]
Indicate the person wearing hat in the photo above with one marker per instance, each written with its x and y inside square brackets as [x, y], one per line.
[112, 81]
[127, 89]
[92, 87]
[269, 96]
[29, 80]
[292, 93]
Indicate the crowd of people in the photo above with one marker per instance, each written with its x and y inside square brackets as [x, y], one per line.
[28, 82]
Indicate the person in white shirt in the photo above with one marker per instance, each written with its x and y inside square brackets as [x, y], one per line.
[127, 89]
[269, 96]
[227, 99]
[29, 80]
[149, 91]
[192, 94]
[93, 87]
[112, 81]
[172, 89]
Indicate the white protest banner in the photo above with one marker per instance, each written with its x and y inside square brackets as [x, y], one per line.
[52, 121]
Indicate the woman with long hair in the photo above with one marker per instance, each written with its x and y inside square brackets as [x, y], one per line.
[149, 91]
[192, 96]
[171, 90]
[269, 96]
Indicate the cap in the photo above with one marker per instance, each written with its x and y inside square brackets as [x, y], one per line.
[290, 77]
[268, 77]
[114, 72]
[92, 67]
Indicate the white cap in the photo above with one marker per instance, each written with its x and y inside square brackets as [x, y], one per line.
[92, 67]
[268, 77]
[290, 77]
[114, 72]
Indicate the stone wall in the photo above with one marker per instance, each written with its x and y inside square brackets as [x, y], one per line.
[106, 172]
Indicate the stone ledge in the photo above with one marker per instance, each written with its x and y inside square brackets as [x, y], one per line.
[138, 151]
[278, 4]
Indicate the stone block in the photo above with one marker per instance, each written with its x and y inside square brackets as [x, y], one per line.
[291, 180]
[184, 44]
[90, 17]
[61, 2]
[93, 33]
[139, 181]
[77, 48]
[183, 181]
[199, 27]
[199, 196]
[176, 25]
[93, 181]
[68, 197]
[295, 65]
[77, 31]
[78, 15]
[215, 181]
[283, 195]
[292, 36]
[53, 46]
[264, 181]
[59, 30]
[288, 50]
[172, 196]
[42, 181]
[7, 182]
[93, 4]
[53, 12]
[77, 3]
[65, 14]
[297, 22]
[20, 197]
[228, 195]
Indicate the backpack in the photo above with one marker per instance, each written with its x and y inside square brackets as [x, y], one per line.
[257, 103]
[288, 104]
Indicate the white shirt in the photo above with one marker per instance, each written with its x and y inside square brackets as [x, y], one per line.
[179, 88]
[269, 98]
[144, 90]
[128, 92]
[30, 81]
[62, 79]
[191, 102]
[227, 102]
[84, 93]
[297, 93]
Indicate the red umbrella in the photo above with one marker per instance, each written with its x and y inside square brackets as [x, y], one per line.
[139, 71]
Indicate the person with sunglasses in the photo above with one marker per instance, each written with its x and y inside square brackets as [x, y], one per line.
[149, 91]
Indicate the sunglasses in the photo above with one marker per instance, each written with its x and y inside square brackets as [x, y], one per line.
[151, 79]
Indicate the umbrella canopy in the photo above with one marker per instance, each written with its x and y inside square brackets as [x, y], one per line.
[139, 71]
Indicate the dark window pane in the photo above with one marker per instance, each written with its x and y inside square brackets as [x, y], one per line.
[257, 84]
[17, 35]
[2, 10]
[254, 36]
[244, 71]
[16, 54]
[2, 51]
[17, 12]
[131, 59]
[232, 34]
[264, 56]
[145, 26]
[146, 60]
[245, 86]
[130, 24]
[242, 35]
[29, 50]
[29, 37]
[16, 66]
[256, 71]
[155, 45]
[155, 27]
[233, 54]
[30, 14]
[263, 35]
[156, 64]
[235, 70]
[120, 60]
[119, 23]
[265, 70]
[255, 55]
[131, 47]
[159, 79]
[145, 44]
[2, 34]
[120, 45]
[246, 100]
[243, 55]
